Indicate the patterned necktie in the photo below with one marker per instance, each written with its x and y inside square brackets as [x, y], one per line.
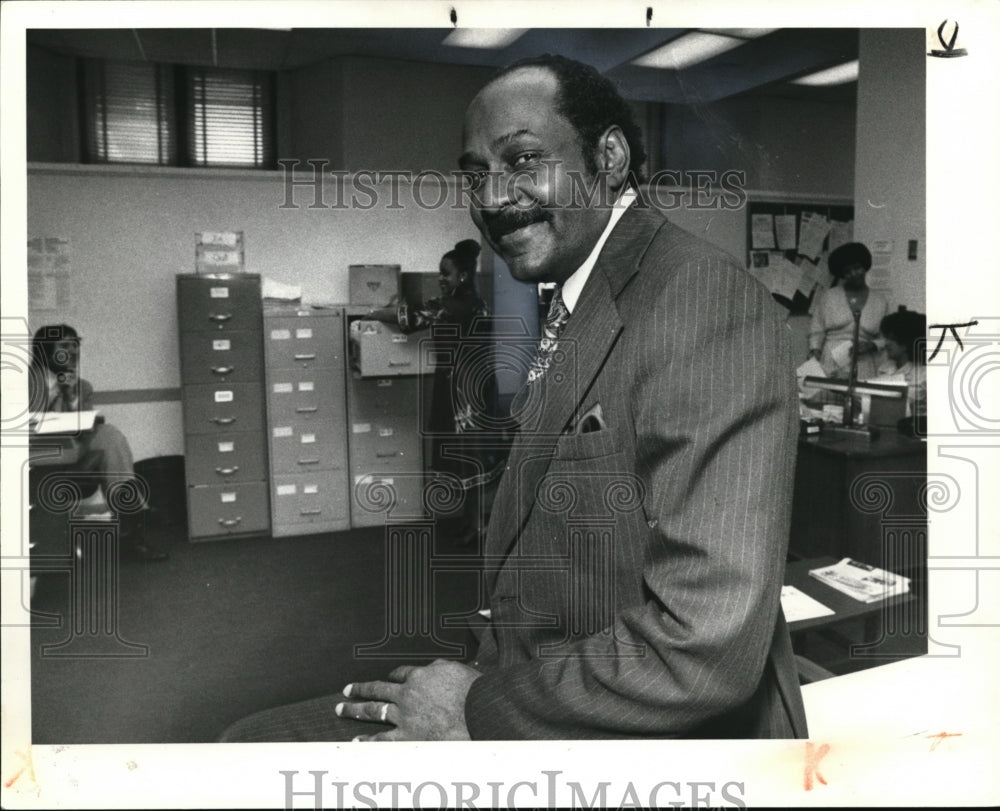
[554, 322]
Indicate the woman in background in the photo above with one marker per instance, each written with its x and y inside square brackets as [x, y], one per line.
[904, 333]
[463, 402]
[831, 334]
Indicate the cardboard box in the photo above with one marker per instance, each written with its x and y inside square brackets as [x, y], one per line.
[374, 285]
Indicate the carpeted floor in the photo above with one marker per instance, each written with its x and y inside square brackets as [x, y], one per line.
[231, 627]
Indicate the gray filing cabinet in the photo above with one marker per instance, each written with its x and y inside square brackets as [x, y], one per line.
[225, 458]
[307, 420]
[384, 392]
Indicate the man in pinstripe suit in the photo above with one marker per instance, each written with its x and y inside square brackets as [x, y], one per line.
[635, 553]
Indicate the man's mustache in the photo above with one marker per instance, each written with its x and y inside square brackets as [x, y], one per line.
[508, 220]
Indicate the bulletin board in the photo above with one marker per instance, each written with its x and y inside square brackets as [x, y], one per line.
[787, 246]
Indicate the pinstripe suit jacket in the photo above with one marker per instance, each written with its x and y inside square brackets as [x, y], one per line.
[635, 571]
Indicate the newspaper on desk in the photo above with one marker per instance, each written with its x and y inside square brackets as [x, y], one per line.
[861, 581]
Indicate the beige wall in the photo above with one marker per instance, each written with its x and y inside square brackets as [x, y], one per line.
[889, 183]
[784, 145]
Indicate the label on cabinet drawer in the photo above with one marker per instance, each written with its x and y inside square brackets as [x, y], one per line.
[310, 489]
[282, 431]
[221, 345]
[361, 428]
[308, 439]
[286, 489]
[400, 339]
[227, 447]
[219, 292]
[384, 381]
[307, 385]
[367, 478]
[223, 397]
[386, 431]
[283, 388]
[305, 332]
[281, 334]
[227, 498]
[227, 239]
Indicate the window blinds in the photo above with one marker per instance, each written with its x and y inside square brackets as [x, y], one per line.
[192, 116]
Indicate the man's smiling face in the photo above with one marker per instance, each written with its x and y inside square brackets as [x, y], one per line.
[525, 153]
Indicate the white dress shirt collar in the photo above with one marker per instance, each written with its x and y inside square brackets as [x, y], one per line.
[573, 286]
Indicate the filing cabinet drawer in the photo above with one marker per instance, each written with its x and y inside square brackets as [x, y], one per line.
[299, 342]
[223, 407]
[307, 498]
[375, 498]
[382, 350]
[305, 396]
[385, 395]
[385, 443]
[220, 510]
[207, 357]
[316, 446]
[225, 457]
[218, 303]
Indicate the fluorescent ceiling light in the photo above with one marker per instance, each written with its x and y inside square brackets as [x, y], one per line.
[742, 33]
[841, 74]
[687, 50]
[483, 37]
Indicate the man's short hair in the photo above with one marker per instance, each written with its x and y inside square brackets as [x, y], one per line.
[591, 103]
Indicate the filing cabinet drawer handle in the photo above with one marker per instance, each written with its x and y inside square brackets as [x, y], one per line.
[230, 522]
[227, 471]
[308, 461]
[310, 512]
[307, 409]
[223, 420]
[400, 362]
[387, 454]
[306, 357]
[219, 318]
[222, 370]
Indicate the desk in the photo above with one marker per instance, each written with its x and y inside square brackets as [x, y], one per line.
[845, 608]
[892, 629]
[863, 500]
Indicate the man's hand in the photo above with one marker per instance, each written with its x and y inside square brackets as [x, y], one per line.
[424, 703]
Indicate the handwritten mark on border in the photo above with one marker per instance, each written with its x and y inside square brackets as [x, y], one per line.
[949, 47]
[945, 328]
[814, 755]
[941, 736]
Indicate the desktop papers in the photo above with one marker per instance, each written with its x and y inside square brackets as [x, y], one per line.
[861, 581]
[64, 422]
[797, 605]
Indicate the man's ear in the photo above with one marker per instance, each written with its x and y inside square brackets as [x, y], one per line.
[614, 156]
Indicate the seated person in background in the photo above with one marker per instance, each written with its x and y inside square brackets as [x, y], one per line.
[904, 333]
[54, 385]
[832, 331]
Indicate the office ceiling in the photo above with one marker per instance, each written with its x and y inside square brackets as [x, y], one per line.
[760, 66]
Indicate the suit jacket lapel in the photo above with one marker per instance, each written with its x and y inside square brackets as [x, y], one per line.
[586, 340]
